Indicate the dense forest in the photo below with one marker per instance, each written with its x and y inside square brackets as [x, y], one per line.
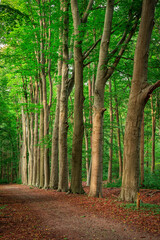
[79, 96]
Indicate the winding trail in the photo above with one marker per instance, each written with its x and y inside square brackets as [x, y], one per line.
[31, 213]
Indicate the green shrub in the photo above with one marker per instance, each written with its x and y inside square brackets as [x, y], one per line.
[4, 181]
[115, 183]
[151, 180]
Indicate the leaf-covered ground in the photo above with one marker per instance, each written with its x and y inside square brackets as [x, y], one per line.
[32, 213]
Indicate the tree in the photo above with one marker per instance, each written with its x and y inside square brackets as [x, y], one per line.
[78, 22]
[139, 95]
[63, 112]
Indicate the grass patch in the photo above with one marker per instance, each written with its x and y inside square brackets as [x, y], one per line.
[147, 207]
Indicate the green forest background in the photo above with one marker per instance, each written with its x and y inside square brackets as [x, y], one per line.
[18, 68]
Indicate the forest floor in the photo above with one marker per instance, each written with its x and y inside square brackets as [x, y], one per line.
[32, 213]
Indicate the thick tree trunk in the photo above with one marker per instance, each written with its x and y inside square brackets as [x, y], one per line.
[140, 93]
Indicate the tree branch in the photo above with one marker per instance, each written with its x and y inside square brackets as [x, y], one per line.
[91, 49]
[123, 48]
[149, 90]
[86, 13]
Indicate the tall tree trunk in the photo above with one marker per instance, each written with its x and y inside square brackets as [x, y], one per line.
[86, 147]
[142, 151]
[35, 147]
[78, 129]
[55, 135]
[153, 135]
[24, 151]
[139, 95]
[30, 135]
[118, 133]
[63, 115]
[97, 134]
[41, 140]
[111, 135]
[54, 151]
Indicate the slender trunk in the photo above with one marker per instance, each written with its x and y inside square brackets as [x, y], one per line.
[87, 148]
[35, 147]
[46, 159]
[142, 151]
[54, 151]
[55, 139]
[63, 115]
[153, 136]
[41, 140]
[24, 150]
[111, 136]
[118, 134]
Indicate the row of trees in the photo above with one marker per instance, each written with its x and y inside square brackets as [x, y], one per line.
[57, 52]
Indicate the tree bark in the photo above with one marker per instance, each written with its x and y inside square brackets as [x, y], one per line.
[139, 95]
[35, 156]
[63, 115]
[118, 134]
[142, 151]
[41, 139]
[24, 151]
[78, 129]
[54, 151]
[97, 134]
[111, 136]
[153, 135]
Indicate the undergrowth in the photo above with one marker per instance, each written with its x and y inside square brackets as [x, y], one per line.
[147, 207]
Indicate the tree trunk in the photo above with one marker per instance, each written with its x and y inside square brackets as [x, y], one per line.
[142, 151]
[118, 133]
[97, 134]
[86, 147]
[139, 95]
[35, 150]
[55, 135]
[24, 151]
[78, 129]
[153, 135]
[111, 136]
[63, 115]
[41, 140]
[54, 151]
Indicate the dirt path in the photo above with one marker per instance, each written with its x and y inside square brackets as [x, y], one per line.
[28, 213]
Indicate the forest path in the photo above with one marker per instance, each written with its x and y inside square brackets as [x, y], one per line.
[31, 213]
